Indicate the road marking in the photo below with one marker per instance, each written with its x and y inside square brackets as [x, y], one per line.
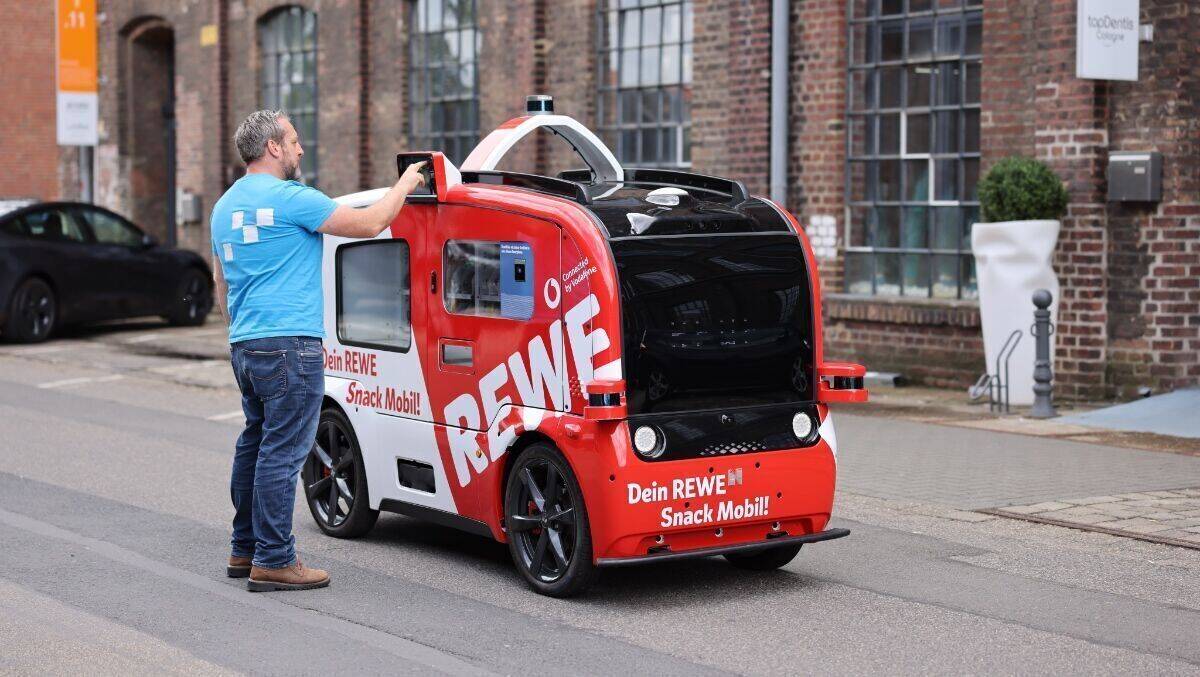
[80, 381]
[174, 368]
[401, 648]
[142, 339]
[38, 350]
[225, 416]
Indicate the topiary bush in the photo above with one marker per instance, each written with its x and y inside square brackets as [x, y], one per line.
[1021, 189]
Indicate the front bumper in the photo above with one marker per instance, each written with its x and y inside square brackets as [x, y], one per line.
[706, 505]
[668, 556]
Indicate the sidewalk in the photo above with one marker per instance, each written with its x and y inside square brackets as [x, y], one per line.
[951, 408]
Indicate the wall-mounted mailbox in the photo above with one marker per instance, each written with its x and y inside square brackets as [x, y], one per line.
[1134, 177]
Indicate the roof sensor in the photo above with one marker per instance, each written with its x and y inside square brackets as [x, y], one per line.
[539, 104]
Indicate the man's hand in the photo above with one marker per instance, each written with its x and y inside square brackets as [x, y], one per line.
[412, 177]
[371, 221]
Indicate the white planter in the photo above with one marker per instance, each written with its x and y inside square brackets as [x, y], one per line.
[1012, 260]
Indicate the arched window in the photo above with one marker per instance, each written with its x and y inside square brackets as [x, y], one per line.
[443, 83]
[287, 41]
[645, 62]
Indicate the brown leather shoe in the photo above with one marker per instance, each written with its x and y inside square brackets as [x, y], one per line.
[239, 567]
[295, 577]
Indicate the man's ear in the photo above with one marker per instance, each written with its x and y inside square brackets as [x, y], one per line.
[274, 148]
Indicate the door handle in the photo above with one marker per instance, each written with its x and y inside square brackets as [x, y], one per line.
[433, 282]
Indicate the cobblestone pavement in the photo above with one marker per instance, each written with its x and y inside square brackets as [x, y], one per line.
[1171, 517]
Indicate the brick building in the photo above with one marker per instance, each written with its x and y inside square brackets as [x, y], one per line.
[893, 110]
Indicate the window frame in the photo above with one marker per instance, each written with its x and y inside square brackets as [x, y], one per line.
[612, 123]
[868, 116]
[424, 97]
[270, 95]
[339, 290]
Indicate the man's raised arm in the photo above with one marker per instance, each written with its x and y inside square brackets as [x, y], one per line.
[371, 221]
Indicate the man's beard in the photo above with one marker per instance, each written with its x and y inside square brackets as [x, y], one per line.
[293, 173]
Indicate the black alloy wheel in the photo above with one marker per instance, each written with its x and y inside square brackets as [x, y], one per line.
[548, 532]
[32, 313]
[193, 301]
[335, 481]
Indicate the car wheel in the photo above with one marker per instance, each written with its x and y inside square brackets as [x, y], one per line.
[193, 300]
[548, 532]
[32, 312]
[764, 560]
[335, 480]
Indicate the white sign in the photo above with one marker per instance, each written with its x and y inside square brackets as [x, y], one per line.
[78, 113]
[1106, 40]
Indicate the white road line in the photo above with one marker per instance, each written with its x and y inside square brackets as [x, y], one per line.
[174, 368]
[141, 339]
[38, 350]
[80, 381]
[226, 416]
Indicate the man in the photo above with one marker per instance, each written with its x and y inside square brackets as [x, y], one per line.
[266, 235]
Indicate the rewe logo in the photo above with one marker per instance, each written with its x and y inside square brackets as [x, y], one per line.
[543, 372]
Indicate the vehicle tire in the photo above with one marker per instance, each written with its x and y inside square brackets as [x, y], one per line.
[192, 301]
[764, 560]
[334, 475]
[549, 536]
[32, 313]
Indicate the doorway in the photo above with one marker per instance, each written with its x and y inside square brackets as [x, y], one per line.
[148, 125]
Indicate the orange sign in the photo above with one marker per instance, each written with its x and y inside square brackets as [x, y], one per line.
[76, 32]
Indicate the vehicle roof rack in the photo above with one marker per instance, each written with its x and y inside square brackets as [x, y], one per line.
[736, 190]
[541, 184]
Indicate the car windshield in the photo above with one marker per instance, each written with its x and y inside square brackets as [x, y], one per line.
[715, 321]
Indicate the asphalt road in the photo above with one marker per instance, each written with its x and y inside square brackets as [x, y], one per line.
[113, 518]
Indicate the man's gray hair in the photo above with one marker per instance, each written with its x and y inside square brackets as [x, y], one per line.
[254, 132]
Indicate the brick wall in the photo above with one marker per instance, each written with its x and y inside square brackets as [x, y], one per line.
[28, 150]
[1130, 307]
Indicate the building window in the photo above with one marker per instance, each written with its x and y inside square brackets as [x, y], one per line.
[443, 83]
[287, 41]
[373, 299]
[913, 147]
[645, 62]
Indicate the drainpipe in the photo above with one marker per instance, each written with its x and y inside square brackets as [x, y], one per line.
[780, 12]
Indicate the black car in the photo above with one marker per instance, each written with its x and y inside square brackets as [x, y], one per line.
[68, 263]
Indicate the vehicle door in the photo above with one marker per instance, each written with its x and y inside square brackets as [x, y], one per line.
[137, 281]
[496, 339]
[60, 247]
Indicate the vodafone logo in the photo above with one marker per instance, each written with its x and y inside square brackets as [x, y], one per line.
[552, 293]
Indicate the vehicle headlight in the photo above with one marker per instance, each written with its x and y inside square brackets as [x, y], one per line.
[647, 442]
[802, 426]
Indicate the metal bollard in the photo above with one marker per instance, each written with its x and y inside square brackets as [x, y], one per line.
[1042, 330]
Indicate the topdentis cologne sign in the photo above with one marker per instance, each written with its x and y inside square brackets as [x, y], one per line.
[1106, 40]
[75, 72]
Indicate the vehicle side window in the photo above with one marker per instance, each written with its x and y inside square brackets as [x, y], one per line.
[373, 299]
[488, 279]
[109, 229]
[12, 226]
[54, 225]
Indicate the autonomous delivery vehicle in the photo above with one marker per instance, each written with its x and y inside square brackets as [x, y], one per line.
[609, 367]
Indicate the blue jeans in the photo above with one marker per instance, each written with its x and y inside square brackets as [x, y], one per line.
[282, 380]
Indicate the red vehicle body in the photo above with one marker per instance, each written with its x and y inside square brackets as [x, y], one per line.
[492, 358]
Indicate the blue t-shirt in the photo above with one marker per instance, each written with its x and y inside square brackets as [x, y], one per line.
[264, 232]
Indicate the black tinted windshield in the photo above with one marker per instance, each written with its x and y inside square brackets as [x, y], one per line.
[715, 321]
